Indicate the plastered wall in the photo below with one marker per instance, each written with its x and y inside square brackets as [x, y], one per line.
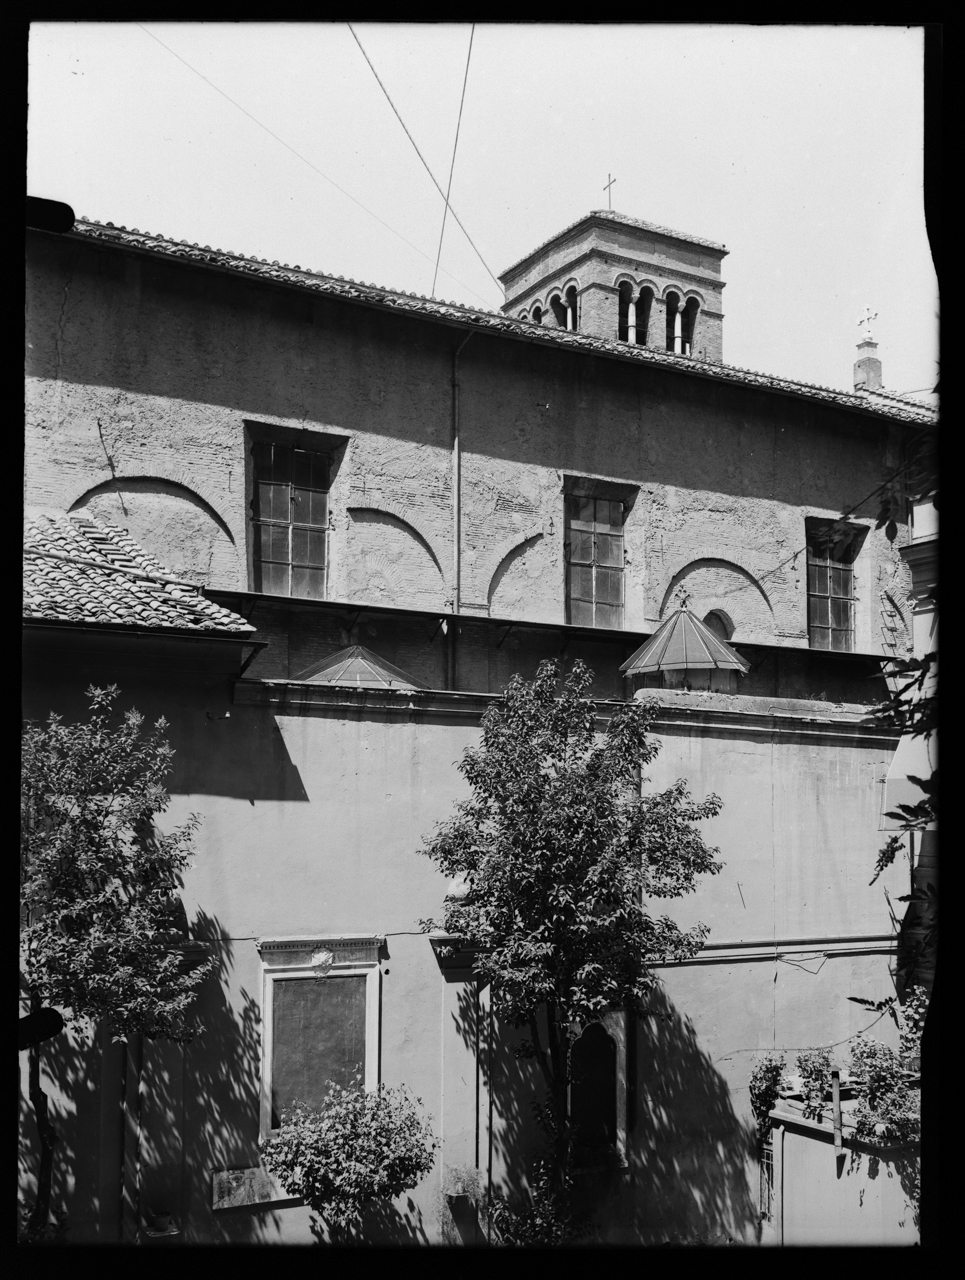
[147, 378]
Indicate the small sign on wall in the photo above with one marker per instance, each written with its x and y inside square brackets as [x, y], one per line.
[235, 1188]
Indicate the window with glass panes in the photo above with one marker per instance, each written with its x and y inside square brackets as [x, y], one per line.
[830, 588]
[290, 520]
[594, 561]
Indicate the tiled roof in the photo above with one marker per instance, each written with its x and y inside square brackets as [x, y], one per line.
[627, 221]
[78, 570]
[478, 318]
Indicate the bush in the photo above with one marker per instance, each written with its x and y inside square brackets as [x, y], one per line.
[887, 1110]
[549, 1218]
[814, 1068]
[767, 1077]
[355, 1148]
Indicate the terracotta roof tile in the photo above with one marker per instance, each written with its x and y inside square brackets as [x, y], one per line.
[78, 570]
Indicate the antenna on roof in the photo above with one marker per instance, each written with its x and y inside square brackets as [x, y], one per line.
[607, 190]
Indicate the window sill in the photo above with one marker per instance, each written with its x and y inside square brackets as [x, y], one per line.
[248, 1189]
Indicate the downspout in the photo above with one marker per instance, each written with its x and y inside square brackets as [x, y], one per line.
[456, 511]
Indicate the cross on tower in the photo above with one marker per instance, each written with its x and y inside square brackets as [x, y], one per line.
[866, 319]
[609, 200]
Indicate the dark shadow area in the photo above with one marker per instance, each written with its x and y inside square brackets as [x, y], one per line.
[903, 1163]
[219, 748]
[690, 1156]
[242, 755]
[70, 1076]
[222, 1100]
[381, 1223]
[195, 1108]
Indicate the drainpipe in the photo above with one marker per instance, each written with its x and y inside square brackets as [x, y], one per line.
[836, 1111]
[456, 509]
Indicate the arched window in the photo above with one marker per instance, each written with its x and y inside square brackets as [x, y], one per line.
[559, 311]
[593, 1096]
[625, 302]
[718, 623]
[571, 307]
[688, 326]
[674, 324]
[537, 315]
[642, 307]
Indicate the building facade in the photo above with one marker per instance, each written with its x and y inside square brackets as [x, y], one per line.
[456, 495]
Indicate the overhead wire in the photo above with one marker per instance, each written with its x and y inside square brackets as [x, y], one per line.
[305, 160]
[465, 81]
[852, 510]
[421, 156]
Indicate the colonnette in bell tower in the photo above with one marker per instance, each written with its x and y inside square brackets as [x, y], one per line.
[626, 280]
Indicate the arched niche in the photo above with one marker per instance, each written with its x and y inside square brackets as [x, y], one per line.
[514, 588]
[171, 522]
[593, 1096]
[388, 560]
[721, 586]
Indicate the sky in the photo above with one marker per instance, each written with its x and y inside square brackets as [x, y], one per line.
[800, 148]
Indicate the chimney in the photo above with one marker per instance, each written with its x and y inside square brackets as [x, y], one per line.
[867, 367]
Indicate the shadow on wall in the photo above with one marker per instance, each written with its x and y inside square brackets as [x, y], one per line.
[198, 1112]
[242, 755]
[382, 1223]
[690, 1155]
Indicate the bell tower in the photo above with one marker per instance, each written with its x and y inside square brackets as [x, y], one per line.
[626, 280]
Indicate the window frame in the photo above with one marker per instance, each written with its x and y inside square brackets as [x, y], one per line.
[575, 491]
[326, 445]
[615, 1024]
[271, 520]
[284, 959]
[814, 528]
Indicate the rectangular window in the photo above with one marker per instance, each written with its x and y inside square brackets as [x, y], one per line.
[321, 1021]
[290, 520]
[831, 586]
[594, 561]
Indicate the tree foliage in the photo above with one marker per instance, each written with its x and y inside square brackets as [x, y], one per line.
[99, 882]
[766, 1081]
[354, 1148]
[100, 919]
[560, 853]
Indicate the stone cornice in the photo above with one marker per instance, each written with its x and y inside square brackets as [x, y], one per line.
[607, 218]
[722, 714]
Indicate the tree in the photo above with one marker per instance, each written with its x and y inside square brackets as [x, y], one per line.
[559, 852]
[356, 1147]
[100, 916]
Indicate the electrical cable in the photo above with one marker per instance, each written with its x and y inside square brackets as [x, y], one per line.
[311, 166]
[422, 157]
[455, 144]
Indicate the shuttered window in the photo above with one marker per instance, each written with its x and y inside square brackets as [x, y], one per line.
[594, 561]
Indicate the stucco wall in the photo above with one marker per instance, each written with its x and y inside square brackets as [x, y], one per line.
[143, 375]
